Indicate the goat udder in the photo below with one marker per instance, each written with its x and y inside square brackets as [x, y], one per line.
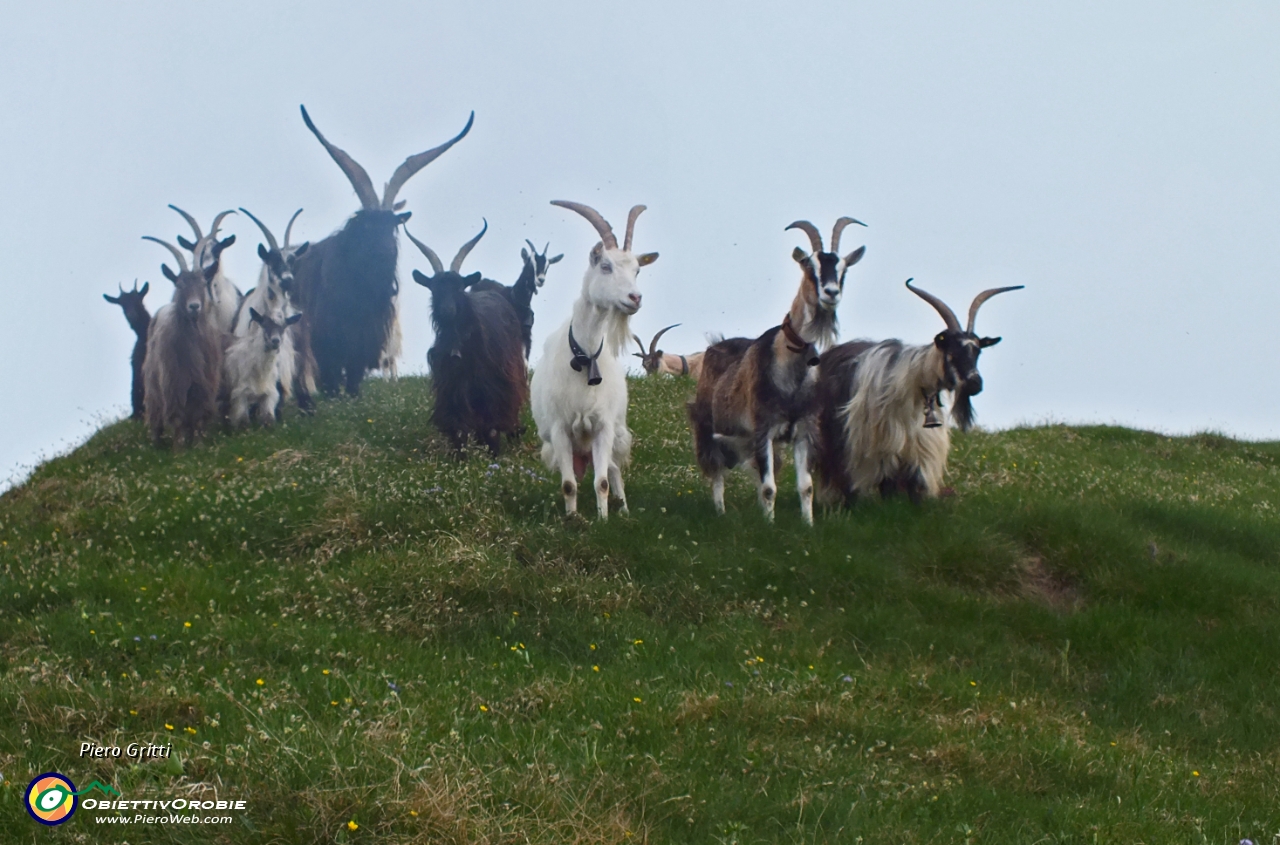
[580, 464]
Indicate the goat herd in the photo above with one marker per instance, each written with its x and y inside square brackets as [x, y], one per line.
[863, 416]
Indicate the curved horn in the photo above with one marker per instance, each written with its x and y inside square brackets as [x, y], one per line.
[271, 239]
[436, 265]
[288, 229]
[948, 316]
[653, 345]
[815, 239]
[631, 224]
[191, 221]
[414, 163]
[217, 223]
[983, 297]
[456, 265]
[182, 262]
[839, 228]
[601, 225]
[356, 174]
[636, 338]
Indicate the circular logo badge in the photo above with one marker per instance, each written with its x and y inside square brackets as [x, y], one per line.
[51, 798]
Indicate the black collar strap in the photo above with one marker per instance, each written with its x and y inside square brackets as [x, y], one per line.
[582, 359]
[799, 345]
[684, 366]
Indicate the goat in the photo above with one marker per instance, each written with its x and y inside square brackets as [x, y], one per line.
[139, 320]
[533, 275]
[251, 368]
[478, 373]
[579, 397]
[754, 394]
[225, 295]
[270, 299]
[183, 365]
[657, 361]
[347, 282]
[872, 396]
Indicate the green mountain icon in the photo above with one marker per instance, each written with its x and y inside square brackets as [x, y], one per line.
[101, 787]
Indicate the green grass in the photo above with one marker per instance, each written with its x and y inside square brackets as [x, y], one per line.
[1082, 645]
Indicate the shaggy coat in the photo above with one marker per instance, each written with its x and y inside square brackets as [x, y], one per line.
[139, 320]
[251, 368]
[881, 427]
[183, 366]
[533, 276]
[756, 394]
[347, 282]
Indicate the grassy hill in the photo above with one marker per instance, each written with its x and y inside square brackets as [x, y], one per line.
[370, 641]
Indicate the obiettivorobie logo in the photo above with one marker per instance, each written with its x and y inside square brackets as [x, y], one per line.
[51, 797]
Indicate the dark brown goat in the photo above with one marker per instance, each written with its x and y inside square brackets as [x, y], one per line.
[755, 393]
[477, 363]
[346, 283]
[130, 301]
[183, 366]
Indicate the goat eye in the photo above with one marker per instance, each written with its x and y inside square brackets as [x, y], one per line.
[606, 267]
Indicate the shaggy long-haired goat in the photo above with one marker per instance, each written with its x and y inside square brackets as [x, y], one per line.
[183, 366]
[224, 296]
[881, 425]
[533, 275]
[478, 373]
[580, 387]
[755, 394]
[130, 302]
[656, 361]
[347, 282]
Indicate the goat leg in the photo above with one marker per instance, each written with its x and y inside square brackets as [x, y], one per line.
[763, 460]
[562, 448]
[615, 486]
[601, 460]
[804, 479]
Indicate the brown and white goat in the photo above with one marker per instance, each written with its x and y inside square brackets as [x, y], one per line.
[130, 301]
[656, 361]
[756, 394]
[881, 423]
[183, 367]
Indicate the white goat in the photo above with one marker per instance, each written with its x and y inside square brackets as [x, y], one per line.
[579, 389]
[206, 249]
[250, 371]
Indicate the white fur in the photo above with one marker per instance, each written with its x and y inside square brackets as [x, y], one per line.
[883, 419]
[574, 418]
[251, 372]
[391, 352]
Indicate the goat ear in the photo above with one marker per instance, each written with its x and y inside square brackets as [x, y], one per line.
[254, 316]
[186, 244]
[399, 206]
[401, 219]
[554, 260]
[646, 259]
[422, 279]
[168, 274]
[302, 247]
[226, 242]
[291, 320]
[262, 252]
[113, 300]
[855, 256]
[988, 341]
[524, 254]
[596, 252]
[472, 279]
[799, 255]
[146, 286]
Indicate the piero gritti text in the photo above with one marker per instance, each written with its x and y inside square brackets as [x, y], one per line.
[134, 750]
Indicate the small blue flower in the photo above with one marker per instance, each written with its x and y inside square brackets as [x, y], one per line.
[847, 679]
[729, 684]
[391, 685]
[137, 639]
[153, 636]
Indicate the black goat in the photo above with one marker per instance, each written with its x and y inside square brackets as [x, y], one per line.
[478, 373]
[130, 302]
[347, 282]
[532, 277]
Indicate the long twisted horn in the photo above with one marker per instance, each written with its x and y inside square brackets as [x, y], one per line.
[414, 163]
[815, 239]
[436, 264]
[191, 221]
[271, 239]
[941, 307]
[356, 174]
[456, 265]
[288, 229]
[631, 225]
[983, 297]
[601, 225]
[653, 345]
[839, 228]
[182, 262]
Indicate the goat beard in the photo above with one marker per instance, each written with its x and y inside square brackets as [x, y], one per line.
[962, 409]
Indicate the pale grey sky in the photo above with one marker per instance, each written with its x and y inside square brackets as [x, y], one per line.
[1120, 160]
